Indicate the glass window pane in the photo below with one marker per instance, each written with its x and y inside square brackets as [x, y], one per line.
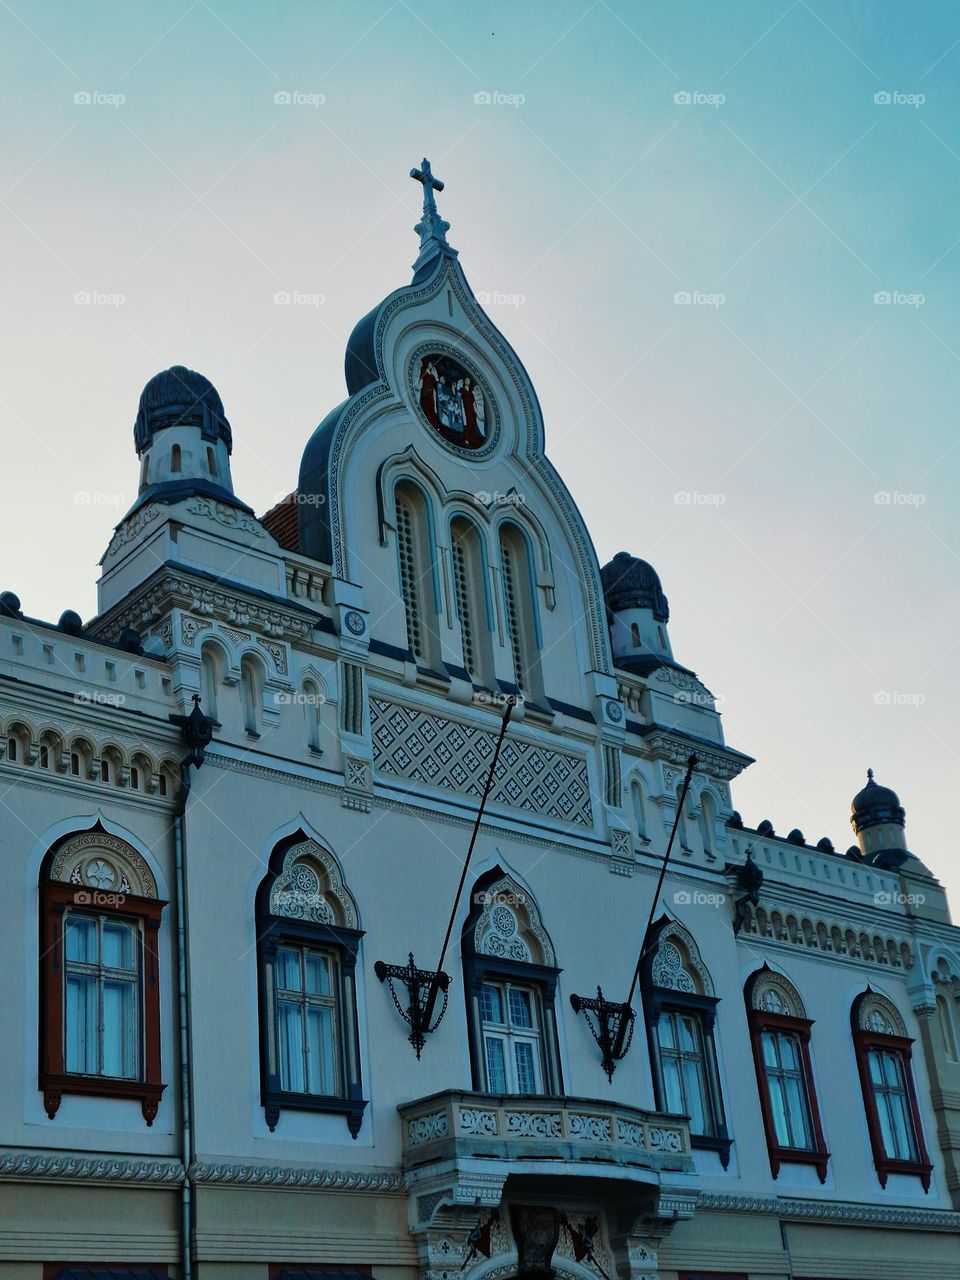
[119, 1029]
[290, 1036]
[521, 1007]
[789, 1053]
[778, 1108]
[318, 974]
[887, 1131]
[688, 1034]
[81, 1024]
[672, 1086]
[81, 938]
[323, 1075]
[526, 1069]
[288, 969]
[876, 1066]
[768, 1042]
[694, 1093]
[800, 1134]
[892, 1073]
[117, 945]
[666, 1032]
[903, 1127]
[496, 1066]
[491, 1004]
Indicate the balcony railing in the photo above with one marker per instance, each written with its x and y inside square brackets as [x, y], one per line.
[455, 1125]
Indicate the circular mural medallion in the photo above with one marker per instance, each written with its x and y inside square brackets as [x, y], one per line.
[452, 400]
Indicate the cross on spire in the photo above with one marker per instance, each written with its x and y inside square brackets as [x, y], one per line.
[431, 228]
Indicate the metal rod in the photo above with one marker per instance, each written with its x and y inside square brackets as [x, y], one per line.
[511, 702]
[691, 765]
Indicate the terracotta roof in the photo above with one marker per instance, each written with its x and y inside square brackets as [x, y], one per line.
[282, 522]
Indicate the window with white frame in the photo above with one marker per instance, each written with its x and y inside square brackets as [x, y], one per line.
[308, 1019]
[512, 1042]
[101, 974]
[683, 1068]
[415, 561]
[786, 1086]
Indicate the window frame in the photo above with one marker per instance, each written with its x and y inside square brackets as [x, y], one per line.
[273, 932]
[759, 1021]
[56, 899]
[864, 1042]
[510, 1034]
[483, 970]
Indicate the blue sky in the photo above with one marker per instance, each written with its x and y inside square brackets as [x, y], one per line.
[783, 399]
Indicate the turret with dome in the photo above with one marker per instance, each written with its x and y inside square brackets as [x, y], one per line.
[638, 613]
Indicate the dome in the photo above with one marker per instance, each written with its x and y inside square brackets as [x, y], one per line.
[629, 583]
[180, 397]
[875, 805]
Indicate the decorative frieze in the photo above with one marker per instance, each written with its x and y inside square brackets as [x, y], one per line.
[831, 1211]
[268, 1175]
[24, 1166]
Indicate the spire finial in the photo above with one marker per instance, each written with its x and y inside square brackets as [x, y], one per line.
[869, 775]
[431, 228]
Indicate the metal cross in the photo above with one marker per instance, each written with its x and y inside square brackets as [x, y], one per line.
[430, 184]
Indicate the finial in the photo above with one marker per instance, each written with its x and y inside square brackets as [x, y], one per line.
[431, 228]
[869, 775]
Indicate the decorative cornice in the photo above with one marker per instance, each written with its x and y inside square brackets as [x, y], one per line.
[716, 761]
[28, 1166]
[267, 1175]
[832, 1211]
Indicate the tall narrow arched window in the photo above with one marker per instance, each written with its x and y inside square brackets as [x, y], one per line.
[251, 694]
[307, 946]
[780, 1034]
[948, 1030]
[416, 562]
[100, 974]
[176, 458]
[683, 827]
[510, 976]
[520, 608]
[883, 1051]
[473, 602]
[680, 1009]
[312, 702]
[708, 823]
[211, 676]
[638, 803]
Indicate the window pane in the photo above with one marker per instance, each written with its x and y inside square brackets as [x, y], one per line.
[521, 1007]
[117, 945]
[903, 1127]
[288, 970]
[672, 1087]
[81, 1024]
[694, 1093]
[666, 1033]
[891, 1070]
[778, 1108]
[800, 1135]
[496, 1066]
[491, 1004]
[789, 1053]
[876, 1067]
[887, 1131]
[119, 1029]
[768, 1042]
[323, 1075]
[526, 1070]
[81, 938]
[318, 974]
[290, 1035]
[687, 1032]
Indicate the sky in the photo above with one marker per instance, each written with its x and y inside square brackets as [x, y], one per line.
[724, 240]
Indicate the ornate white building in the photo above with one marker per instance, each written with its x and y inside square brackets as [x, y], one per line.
[210, 1066]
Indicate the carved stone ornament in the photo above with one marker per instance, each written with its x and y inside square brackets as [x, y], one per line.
[878, 1014]
[773, 993]
[309, 886]
[510, 927]
[224, 514]
[104, 864]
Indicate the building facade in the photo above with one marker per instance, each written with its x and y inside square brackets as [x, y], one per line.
[236, 807]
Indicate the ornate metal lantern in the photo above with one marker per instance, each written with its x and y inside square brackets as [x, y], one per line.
[421, 986]
[611, 1025]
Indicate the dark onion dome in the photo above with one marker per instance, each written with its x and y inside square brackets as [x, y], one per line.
[630, 583]
[180, 397]
[875, 805]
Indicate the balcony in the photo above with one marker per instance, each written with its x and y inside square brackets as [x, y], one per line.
[469, 1144]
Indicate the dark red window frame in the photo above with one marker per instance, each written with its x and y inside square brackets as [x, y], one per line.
[55, 898]
[863, 1042]
[760, 1021]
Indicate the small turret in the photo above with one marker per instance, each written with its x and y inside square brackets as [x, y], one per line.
[638, 612]
[182, 435]
[877, 818]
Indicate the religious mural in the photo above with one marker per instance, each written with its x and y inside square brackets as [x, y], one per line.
[452, 401]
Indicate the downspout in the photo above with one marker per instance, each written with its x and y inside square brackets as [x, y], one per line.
[186, 1092]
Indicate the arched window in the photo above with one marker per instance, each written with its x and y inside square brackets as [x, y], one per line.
[473, 604]
[683, 827]
[948, 1031]
[100, 976]
[511, 984]
[680, 1009]
[211, 677]
[211, 461]
[883, 1053]
[44, 756]
[780, 1034]
[75, 764]
[635, 635]
[312, 702]
[708, 823]
[251, 694]
[307, 943]
[638, 802]
[416, 562]
[176, 458]
[520, 607]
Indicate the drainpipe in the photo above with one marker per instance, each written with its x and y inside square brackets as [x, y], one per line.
[186, 1044]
